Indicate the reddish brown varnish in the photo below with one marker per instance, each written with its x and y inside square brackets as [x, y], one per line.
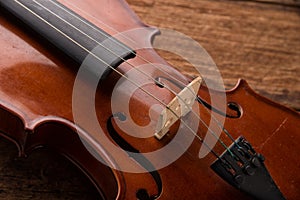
[36, 111]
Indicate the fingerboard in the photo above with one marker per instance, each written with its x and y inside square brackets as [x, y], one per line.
[69, 32]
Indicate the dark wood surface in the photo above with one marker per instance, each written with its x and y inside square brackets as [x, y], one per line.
[255, 40]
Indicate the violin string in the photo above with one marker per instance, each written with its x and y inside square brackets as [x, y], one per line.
[200, 139]
[85, 49]
[222, 128]
[157, 82]
[142, 72]
[122, 75]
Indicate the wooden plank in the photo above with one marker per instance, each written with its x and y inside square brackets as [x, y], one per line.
[254, 40]
[293, 3]
[43, 175]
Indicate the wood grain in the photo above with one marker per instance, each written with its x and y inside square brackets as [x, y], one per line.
[255, 40]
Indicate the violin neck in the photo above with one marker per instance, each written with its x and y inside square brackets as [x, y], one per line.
[69, 32]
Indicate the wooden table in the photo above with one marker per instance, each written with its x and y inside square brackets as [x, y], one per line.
[255, 40]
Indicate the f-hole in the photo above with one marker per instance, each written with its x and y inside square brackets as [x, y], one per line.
[142, 160]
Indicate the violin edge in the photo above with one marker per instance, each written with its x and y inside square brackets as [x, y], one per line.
[243, 84]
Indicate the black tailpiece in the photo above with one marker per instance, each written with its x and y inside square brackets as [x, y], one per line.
[243, 168]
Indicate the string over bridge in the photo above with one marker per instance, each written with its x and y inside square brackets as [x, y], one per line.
[181, 105]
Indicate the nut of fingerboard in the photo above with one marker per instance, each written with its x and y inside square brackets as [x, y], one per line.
[181, 105]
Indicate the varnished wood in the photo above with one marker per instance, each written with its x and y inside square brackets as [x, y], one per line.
[234, 49]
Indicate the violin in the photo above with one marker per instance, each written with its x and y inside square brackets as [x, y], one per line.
[82, 78]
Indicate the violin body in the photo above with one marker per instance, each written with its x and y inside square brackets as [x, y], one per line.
[37, 82]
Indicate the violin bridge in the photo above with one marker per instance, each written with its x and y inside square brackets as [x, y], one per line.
[181, 105]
